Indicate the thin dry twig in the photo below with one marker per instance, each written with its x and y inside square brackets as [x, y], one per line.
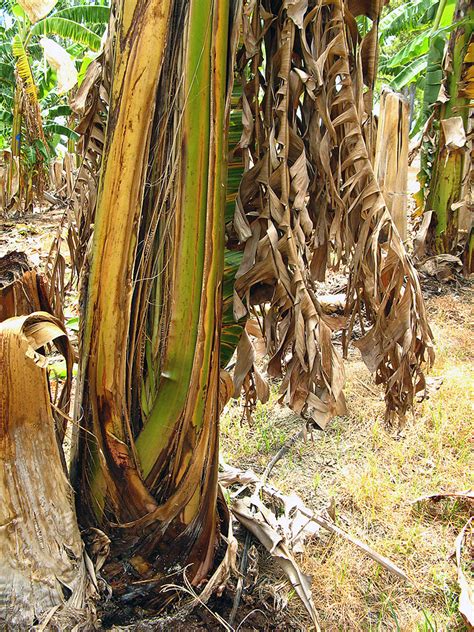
[283, 451]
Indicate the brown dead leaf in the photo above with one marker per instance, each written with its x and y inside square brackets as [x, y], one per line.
[466, 597]
[454, 133]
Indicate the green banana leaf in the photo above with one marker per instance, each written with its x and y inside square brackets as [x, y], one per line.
[418, 46]
[85, 14]
[68, 30]
[407, 17]
[409, 73]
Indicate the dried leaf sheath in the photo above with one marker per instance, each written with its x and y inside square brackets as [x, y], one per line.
[41, 551]
[308, 200]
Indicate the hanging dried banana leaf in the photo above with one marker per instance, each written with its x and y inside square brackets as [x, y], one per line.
[61, 61]
[391, 156]
[309, 201]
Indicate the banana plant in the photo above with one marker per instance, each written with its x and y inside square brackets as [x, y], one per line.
[445, 145]
[33, 101]
[160, 251]
[412, 39]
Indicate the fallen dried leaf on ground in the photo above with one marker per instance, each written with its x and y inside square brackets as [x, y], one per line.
[264, 525]
[466, 597]
[283, 528]
[442, 267]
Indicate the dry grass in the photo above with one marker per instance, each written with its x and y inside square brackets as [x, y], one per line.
[374, 473]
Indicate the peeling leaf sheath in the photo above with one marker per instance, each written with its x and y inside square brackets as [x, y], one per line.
[138, 59]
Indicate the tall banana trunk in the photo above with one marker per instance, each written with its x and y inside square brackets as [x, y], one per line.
[15, 146]
[445, 184]
[150, 371]
[27, 113]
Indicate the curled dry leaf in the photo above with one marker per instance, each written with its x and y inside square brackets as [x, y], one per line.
[24, 291]
[226, 567]
[226, 388]
[247, 375]
[9, 178]
[60, 60]
[229, 475]
[419, 241]
[454, 133]
[442, 267]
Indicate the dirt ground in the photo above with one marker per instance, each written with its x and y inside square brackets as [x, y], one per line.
[372, 473]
